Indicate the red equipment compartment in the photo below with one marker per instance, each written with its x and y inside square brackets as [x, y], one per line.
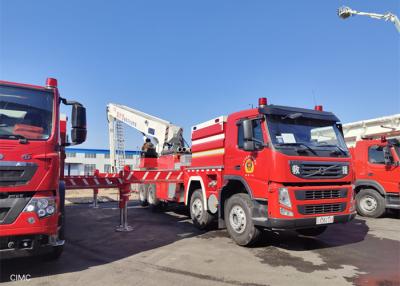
[208, 143]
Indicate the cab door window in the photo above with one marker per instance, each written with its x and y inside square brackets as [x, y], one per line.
[376, 155]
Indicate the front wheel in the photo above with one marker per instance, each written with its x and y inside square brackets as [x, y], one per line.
[240, 226]
[315, 231]
[370, 203]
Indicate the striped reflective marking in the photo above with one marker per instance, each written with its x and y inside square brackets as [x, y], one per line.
[96, 181]
[73, 182]
[130, 175]
[157, 175]
[85, 182]
[180, 175]
[169, 174]
[145, 175]
[208, 139]
[219, 151]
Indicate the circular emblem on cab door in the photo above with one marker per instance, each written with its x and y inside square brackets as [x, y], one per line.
[1, 156]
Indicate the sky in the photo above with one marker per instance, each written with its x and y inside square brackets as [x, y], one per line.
[188, 61]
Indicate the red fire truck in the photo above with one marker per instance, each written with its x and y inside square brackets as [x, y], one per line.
[377, 169]
[32, 192]
[273, 167]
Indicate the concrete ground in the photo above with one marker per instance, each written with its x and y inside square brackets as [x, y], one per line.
[166, 249]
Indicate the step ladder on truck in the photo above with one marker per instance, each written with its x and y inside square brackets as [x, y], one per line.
[261, 168]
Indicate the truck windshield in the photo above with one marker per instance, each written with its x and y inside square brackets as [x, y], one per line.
[25, 113]
[298, 134]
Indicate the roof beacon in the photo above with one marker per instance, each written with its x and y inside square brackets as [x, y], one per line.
[262, 102]
[318, 108]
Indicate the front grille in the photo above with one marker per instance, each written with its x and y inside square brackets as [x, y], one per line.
[320, 194]
[321, 209]
[319, 170]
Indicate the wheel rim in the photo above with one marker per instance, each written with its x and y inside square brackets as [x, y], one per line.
[237, 219]
[368, 203]
[142, 195]
[152, 195]
[197, 208]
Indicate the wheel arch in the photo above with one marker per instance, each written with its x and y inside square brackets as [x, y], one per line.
[233, 185]
[194, 183]
[369, 184]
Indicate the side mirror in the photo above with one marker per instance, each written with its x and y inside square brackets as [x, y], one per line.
[247, 130]
[387, 156]
[249, 146]
[78, 124]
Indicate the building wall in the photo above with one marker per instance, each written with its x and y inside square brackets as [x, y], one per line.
[85, 161]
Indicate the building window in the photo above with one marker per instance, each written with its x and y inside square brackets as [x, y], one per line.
[89, 169]
[376, 155]
[70, 154]
[90, 155]
[129, 156]
[107, 168]
[107, 156]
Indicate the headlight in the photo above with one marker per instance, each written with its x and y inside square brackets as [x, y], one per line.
[284, 198]
[43, 206]
[42, 203]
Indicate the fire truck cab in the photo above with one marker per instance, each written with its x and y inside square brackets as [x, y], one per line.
[377, 170]
[32, 192]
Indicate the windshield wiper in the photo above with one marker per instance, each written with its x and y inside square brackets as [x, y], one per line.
[336, 146]
[22, 139]
[298, 144]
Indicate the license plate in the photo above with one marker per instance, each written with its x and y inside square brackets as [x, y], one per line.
[324, 219]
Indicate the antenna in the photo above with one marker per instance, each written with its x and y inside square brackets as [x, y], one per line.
[314, 97]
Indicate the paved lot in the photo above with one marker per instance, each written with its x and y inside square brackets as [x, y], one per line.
[165, 249]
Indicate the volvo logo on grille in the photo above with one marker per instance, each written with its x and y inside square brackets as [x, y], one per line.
[1, 156]
[322, 170]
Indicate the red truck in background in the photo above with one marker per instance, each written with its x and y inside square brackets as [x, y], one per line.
[273, 167]
[32, 192]
[377, 170]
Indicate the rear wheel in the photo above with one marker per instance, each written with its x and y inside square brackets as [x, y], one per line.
[143, 195]
[370, 203]
[240, 226]
[201, 218]
[315, 231]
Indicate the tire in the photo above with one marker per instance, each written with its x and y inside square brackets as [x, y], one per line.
[314, 231]
[143, 195]
[200, 217]
[370, 203]
[154, 203]
[56, 251]
[237, 215]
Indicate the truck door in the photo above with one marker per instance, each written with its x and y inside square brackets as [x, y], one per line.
[250, 165]
[387, 176]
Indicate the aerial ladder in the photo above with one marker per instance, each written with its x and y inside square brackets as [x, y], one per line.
[387, 126]
[345, 12]
[167, 137]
